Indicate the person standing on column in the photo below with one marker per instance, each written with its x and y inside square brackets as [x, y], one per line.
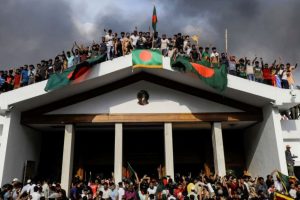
[290, 160]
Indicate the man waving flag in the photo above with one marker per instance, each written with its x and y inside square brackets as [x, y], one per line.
[154, 19]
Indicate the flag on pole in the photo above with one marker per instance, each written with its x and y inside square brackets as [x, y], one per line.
[284, 179]
[146, 58]
[154, 19]
[131, 172]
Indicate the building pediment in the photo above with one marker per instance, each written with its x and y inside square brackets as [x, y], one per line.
[117, 101]
[162, 100]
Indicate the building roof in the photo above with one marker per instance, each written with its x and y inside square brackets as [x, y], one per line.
[239, 89]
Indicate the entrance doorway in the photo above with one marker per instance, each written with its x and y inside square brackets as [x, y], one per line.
[94, 152]
[192, 149]
[143, 148]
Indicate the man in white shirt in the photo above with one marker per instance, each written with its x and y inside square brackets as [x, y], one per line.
[31, 189]
[164, 45]
[249, 70]
[152, 189]
[109, 43]
[278, 185]
[70, 59]
[35, 195]
[214, 56]
[134, 38]
[26, 187]
[293, 191]
[31, 74]
[45, 190]
[121, 191]
[106, 191]
[284, 80]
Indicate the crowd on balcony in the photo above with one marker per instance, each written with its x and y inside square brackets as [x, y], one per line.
[113, 45]
[201, 187]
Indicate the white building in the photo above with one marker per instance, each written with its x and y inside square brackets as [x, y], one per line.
[98, 125]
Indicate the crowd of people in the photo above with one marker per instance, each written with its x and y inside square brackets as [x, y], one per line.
[201, 187]
[114, 45]
[204, 186]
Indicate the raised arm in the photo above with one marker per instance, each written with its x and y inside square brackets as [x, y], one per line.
[159, 172]
[279, 61]
[75, 43]
[254, 60]
[274, 63]
[138, 181]
[64, 54]
[262, 62]
[73, 49]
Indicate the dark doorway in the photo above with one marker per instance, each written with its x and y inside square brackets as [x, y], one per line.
[233, 140]
[192, 149]
[94, 152]
[143, 148]
[51, 155]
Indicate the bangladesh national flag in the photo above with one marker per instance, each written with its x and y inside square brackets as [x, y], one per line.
[85, 66]
[73, 74]
[131, 172]
[278, 196]
[58, 80]
[154, 19]
[212, 74]
[285, 181]
[146, 58]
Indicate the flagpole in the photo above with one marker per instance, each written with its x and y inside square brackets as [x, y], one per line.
[153, 29]
[226, 41]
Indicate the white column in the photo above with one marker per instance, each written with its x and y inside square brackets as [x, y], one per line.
[263, 138]
[4, 146]
[118, 152]
[218, 149]
[169, 160]
[68, 154]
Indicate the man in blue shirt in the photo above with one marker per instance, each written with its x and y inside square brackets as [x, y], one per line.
[2, 81]
[24, 76]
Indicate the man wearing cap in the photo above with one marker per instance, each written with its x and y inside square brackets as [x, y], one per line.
[26, 187]
[17, 186]
[290, 160]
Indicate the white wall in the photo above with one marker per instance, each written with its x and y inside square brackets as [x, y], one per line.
[162, 100]
[20, 144]
[264, 145]
[290, 129]
[291, 136]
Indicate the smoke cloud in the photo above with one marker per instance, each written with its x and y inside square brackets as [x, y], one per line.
[32, 30]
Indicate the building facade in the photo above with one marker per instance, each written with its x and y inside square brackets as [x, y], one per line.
[100, 125]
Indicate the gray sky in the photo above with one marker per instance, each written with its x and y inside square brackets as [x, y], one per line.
[32, 30]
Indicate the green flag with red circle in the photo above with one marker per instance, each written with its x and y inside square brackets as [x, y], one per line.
[146, 58]
[211, 74]
[154, 19]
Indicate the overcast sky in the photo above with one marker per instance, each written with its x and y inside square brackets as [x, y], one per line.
[32, 30]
